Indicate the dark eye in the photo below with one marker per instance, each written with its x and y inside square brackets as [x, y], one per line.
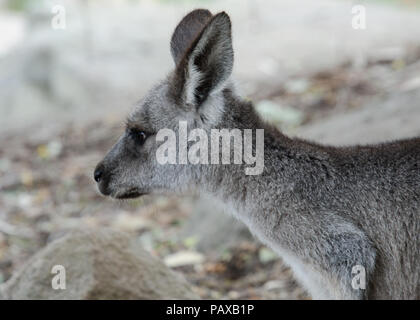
[138, 136]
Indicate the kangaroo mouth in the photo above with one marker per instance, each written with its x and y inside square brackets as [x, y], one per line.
[129, 194]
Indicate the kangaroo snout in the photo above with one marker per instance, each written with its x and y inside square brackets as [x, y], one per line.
[98, 173]
[120, 173]
[101, 176]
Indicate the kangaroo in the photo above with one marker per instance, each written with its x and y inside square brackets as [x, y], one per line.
[345, 219]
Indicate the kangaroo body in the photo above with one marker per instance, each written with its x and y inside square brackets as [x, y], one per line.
[328, 212]
[324, 209]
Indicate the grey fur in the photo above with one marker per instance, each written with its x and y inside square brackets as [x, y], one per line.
[323, 209]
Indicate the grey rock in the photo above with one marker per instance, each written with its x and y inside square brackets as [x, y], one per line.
[98, 265]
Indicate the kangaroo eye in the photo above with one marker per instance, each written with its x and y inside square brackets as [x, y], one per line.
[138, 136]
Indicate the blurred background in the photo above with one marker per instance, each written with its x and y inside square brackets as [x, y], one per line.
[333, 71]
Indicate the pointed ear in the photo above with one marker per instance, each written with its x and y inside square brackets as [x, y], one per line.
[207, 63]
[187, 31]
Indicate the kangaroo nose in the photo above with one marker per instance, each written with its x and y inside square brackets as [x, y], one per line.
[97, 175]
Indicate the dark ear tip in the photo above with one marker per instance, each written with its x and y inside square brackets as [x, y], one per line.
[198, 14]
[223, 17]
[223, 13]
[187, 30]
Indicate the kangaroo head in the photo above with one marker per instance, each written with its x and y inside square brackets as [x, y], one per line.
[194, 92]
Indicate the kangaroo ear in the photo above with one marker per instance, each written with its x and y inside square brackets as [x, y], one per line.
[207, 63]
[187, 31]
